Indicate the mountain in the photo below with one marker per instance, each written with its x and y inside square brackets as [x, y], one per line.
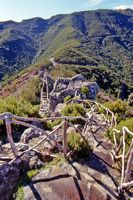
[99, 39]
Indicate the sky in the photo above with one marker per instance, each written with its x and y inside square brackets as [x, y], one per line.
[18, 10]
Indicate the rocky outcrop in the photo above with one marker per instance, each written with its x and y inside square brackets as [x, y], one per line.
[72, 87]
[71, 182]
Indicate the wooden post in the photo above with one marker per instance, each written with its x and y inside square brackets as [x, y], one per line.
[65, 139]
[129, 167]
[123, 158]
[47, 89]
[9, 135]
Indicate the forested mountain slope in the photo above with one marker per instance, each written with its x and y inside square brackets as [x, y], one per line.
[101, 38]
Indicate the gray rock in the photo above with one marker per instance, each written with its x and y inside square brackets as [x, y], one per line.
[9, 176]
[22, 147]
[71, 86]
[35, 162]
[58, 185]
[30, 133]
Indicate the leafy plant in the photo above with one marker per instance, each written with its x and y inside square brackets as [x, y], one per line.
[118, 107]
[84, 90]
[80, 146]
[67, 98]
[74, 110]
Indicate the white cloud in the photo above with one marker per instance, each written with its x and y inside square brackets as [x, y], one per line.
[92, 3]
[123, 7]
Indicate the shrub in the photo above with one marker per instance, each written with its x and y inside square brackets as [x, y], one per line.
[18, 106]
[118, 107]
[67, 98]
[76, 143]
[31, 91]
[74, 110]
[129, 124]
[84, 90]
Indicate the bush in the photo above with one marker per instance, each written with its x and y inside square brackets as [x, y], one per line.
[129, 124]
[74, 110]
[25, 103]
[67, 98]
[31, 91]
[118, 107]
[76, 143]
[18, 106]
[84, 90]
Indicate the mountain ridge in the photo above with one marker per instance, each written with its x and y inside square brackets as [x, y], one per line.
[88, 38]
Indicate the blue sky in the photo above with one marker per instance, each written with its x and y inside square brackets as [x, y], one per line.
[18, 10]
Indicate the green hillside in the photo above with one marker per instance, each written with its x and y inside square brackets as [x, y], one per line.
[101, 39]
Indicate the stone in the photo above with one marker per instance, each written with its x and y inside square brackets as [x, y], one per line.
[105, 157]
[71, 130]
[67, 168]
[87, 178]
[30, 133]
[55, 184]
[95, 194]
[35, 163]
[22, 146]
[9, 176]
[72, 86]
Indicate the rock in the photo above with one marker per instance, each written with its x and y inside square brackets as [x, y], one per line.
[55, 184]
[59, 108]
[105, 157]
[95, 194]
[9, 176]
[71, 86]
[22, 146]
[129, 113]
[71, 130]
[69, 169]
[47, 145]
[35, 163]
[30, 133]
[87, 178]
[78, 77]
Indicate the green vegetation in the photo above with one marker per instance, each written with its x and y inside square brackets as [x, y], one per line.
[74, 110]
[24, 104]
[80, 146]
[127, 123]
[62, 71]
[78, 45]
[67, 98]
[84, 90]
[118, 107]
[19, 195]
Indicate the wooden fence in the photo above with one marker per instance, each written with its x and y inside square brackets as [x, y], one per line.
[108, 117]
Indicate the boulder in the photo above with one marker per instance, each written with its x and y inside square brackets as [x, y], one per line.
[9, 176]
[55, 184]
[30, 133]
